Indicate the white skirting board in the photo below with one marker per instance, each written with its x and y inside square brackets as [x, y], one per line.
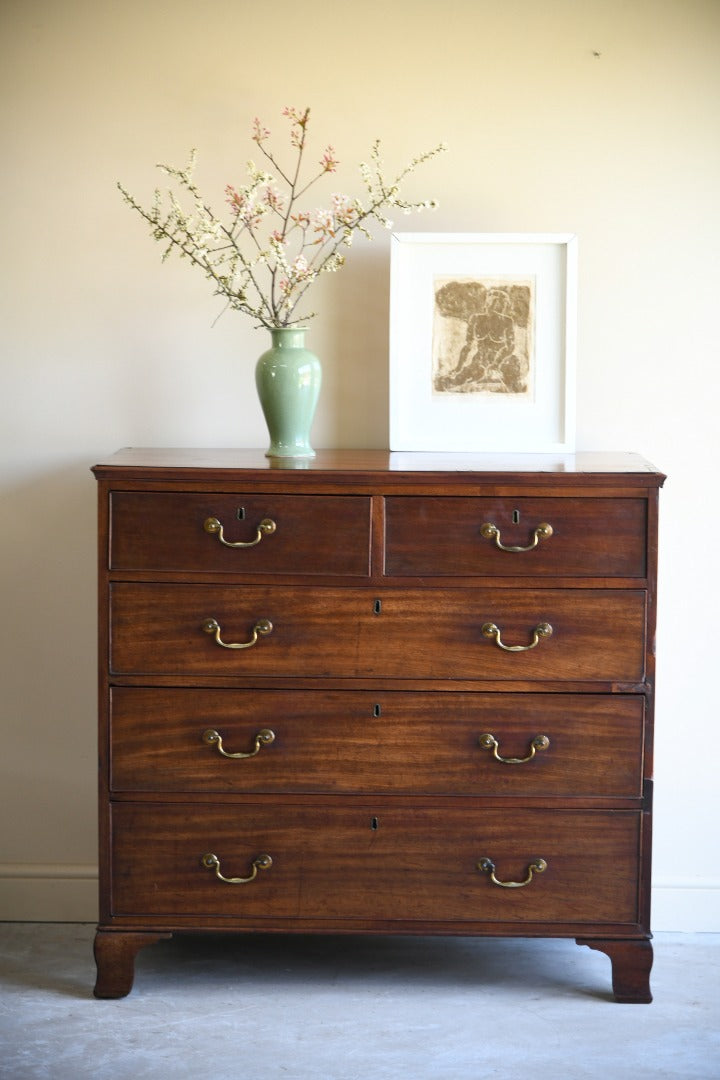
[688, 907]
[50, 892]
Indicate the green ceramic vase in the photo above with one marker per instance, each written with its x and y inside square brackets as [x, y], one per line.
[288, 378]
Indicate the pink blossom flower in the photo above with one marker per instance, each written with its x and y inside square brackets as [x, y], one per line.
[274, 199]
[329, 162]
[344, 211]
[296, 116]
[299, 123]
[235, 200]
[323, 222]
[259, 133]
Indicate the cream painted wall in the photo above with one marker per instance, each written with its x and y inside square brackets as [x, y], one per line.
[102, 347]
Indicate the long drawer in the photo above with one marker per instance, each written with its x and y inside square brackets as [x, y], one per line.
[568, 537]
[173, 740]
[306, 534]
[594, 634]
[359, 860]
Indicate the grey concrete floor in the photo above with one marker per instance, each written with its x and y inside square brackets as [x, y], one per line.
[334, 1008]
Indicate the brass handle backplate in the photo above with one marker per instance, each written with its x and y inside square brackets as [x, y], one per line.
[262, 627]
[491, 532]
[263, 738]
[542, 630]
[266, 528]
[537, 866]
[211, 862]
[489, 742]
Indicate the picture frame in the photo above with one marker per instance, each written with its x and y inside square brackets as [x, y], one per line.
[482, 342]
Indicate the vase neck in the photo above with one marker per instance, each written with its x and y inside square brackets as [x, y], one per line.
[288, 337]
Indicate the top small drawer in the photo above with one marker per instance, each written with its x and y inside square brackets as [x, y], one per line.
[508, 537]
[243, 534]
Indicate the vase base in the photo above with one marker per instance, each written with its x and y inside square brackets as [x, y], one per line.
[290, 453]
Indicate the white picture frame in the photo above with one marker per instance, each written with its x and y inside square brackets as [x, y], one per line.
[482, 342]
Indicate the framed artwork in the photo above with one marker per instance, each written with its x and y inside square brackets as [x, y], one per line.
[482, 342]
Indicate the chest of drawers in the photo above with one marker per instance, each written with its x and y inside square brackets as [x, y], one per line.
[376, 694]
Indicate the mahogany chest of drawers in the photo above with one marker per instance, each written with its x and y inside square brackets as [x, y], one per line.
[377, 693]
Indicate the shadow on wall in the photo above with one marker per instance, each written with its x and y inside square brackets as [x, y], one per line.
[356, 383]
[48, 702]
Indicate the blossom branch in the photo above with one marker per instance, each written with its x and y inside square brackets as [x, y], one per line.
[237, 256]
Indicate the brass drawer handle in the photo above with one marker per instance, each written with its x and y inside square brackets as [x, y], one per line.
[538, 866]
[489, 742]
[491, 532]
[263, 738]
[542, 630]
[262, 627]
[211, 862]
[266, 528]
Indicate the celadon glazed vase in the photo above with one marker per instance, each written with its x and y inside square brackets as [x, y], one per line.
[288, 378]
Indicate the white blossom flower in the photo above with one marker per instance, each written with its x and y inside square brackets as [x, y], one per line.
[300, 268]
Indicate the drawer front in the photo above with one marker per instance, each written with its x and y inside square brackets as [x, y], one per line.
[360, 861]
[311, 535]
[444, 536]
[393, 743]
[597, 635]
